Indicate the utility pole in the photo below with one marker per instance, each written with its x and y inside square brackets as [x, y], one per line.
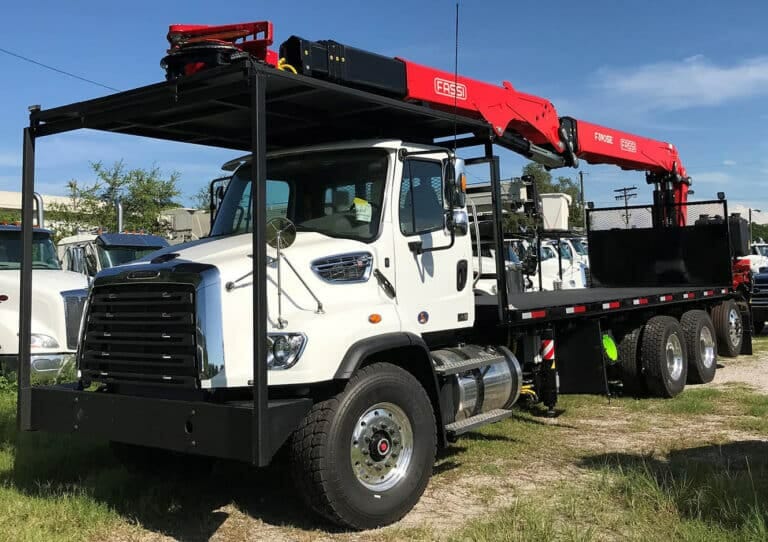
[750, 223]
[581, 195]
[626, 194]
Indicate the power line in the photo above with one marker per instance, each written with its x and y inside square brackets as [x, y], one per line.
[57, 70]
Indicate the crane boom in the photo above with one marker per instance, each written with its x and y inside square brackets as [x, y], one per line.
[525, 123]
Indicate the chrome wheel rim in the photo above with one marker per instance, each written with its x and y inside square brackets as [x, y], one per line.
[674, 353]
[381, 447]
[734, 327]
[706, 347]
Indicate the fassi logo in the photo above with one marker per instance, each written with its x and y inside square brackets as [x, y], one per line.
[450, 89]
[604, 138]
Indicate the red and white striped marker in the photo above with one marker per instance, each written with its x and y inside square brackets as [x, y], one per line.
[665, 298]
[611, 305]
[533, 315]
[548, 349]
[578, 309]
[640, 301]
[689, 295]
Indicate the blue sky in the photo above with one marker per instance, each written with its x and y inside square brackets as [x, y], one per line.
[695, 75]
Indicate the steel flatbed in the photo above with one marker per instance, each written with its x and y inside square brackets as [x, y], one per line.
[549, 306]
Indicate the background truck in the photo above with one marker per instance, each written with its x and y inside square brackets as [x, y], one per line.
[331, 312]
[56, 308]
[90, 253]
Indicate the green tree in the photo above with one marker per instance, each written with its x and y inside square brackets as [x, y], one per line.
[144, 193]
[202, 198]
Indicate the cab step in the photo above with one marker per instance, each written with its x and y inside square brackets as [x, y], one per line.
[464, 365]
[469, 424]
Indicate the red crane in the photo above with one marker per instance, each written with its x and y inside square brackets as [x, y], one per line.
[527, 124]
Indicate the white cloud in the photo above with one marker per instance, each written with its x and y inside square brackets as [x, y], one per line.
[692, 82]
[729, 163]
[711, 177]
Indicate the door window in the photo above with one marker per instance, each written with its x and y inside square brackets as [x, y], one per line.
[421, 197]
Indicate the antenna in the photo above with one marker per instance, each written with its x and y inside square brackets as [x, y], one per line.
[456, 81]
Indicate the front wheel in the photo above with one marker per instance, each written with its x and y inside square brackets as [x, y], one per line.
[363, 458]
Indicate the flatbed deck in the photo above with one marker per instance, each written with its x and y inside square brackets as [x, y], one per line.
[562, 304]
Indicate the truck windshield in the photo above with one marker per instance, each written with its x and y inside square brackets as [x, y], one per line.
[112, 256]
[336, 193]
[43, 251]
[579, 247]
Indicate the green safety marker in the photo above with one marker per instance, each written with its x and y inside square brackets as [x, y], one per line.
[610, 348]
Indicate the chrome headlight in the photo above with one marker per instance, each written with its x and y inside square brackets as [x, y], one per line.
[38, 340]
[284, 349]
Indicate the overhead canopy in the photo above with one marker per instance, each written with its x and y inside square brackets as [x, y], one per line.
[214, 107]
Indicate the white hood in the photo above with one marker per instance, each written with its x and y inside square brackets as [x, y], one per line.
[48, 316]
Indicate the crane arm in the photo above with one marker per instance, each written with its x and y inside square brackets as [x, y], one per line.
[524, 123]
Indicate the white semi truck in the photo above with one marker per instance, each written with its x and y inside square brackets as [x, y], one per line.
[331, 311]
[56, 308]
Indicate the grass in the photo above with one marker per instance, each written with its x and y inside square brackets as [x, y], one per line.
[639, 498]
[696, 485]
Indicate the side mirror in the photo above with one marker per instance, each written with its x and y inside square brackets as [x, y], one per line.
[460, 222]
[455, 183]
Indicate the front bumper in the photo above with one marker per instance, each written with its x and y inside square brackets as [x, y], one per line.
[43, 366]
[197, 427]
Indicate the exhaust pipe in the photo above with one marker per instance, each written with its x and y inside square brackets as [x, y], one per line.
[40, 210]
[119, 205]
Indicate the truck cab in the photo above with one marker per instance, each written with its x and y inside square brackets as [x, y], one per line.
[378, 248]
[56, 308]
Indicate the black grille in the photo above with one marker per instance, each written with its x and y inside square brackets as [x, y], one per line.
[141, 333]
[73, 312]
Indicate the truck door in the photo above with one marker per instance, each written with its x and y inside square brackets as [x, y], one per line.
[434, 287]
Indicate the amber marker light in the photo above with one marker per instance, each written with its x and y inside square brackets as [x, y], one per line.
[374, 318]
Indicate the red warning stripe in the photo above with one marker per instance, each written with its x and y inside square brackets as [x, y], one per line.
[689, 295]
[665, 298]
[611, 305]
[534, 315]
[548, 349]
[578, 309]
[640, 301]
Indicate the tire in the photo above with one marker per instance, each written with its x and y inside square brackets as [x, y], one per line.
[663, 356]
[629, 362]
[329, 451]
[701, 345]
[729, 328]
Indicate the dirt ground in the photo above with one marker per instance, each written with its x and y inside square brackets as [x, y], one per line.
[451, 501]
[752, 371]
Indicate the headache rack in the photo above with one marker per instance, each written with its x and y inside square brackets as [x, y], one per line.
[249, 107]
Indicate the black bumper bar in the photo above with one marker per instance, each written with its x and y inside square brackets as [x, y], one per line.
[196, 427]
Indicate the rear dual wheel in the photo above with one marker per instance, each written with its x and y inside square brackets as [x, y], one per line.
[664, 356]
[729, 328]
[699, 332]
